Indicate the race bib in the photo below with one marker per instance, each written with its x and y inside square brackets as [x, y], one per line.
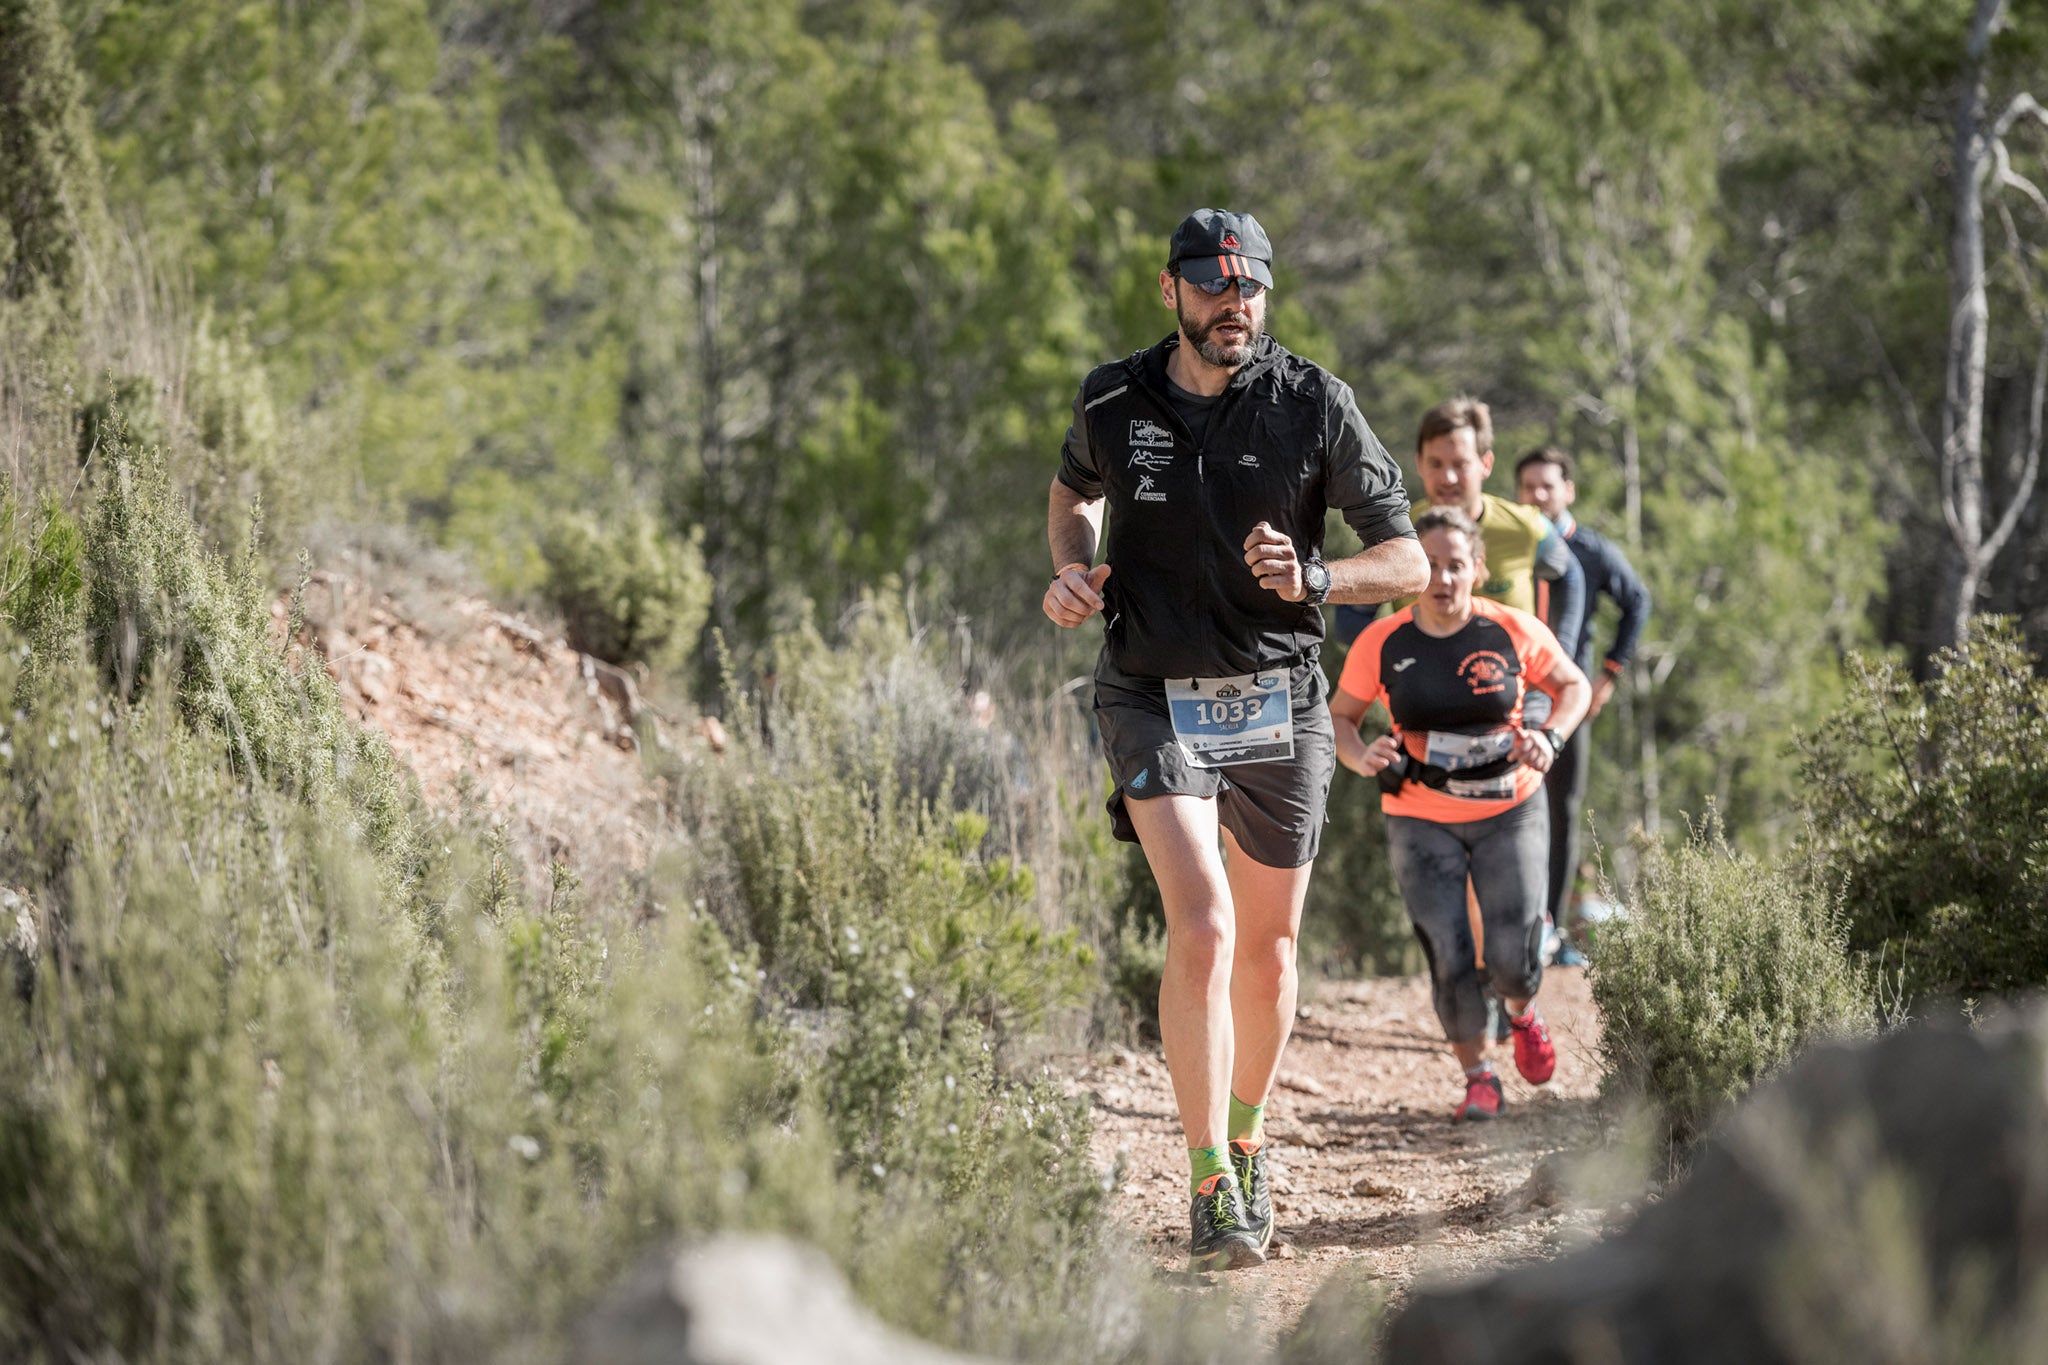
[1456, 753]
[1221, 721]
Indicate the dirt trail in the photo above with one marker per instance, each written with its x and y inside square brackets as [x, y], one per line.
[1369, 1170]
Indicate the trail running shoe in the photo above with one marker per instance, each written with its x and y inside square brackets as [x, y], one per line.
[1248, 1162]
[1535, 1055]
[1223, 1239]
[1482, 1099]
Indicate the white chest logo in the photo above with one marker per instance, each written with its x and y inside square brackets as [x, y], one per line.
[1147, 492]
[1248, 460]
[1144, 433]
[1152, 459]
[1403, 664]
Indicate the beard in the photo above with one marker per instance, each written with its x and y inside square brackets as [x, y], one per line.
[1223, 356]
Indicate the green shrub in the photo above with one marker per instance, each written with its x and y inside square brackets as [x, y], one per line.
[1721, 969]
[251, 1113]
[629, 590]
[845, 842]
[298, 1074]
[1928, 803]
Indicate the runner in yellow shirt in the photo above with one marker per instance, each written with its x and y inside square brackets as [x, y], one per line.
[1525, 555]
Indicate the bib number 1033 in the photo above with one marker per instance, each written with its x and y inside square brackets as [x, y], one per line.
[1236, 712]
[1221, 721]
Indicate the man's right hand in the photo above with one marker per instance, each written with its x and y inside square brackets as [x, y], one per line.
[1076, 594]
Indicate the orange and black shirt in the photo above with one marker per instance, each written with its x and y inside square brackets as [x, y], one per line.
[1455, 693]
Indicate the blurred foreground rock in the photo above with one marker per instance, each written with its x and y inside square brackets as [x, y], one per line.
[743, 1301]
[1879, 1202]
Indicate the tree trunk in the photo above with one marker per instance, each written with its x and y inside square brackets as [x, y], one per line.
[698, 109]
[1962, 405]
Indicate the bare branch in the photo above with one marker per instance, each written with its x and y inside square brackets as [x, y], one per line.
[2025, 492]
[2004, 174]
[2023, 105]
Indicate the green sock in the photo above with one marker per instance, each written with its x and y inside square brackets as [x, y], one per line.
[1247, 1121]
[1205, 1162]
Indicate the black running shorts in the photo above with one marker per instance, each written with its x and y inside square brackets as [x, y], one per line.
[1275, 809]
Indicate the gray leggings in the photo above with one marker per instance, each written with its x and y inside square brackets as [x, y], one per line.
[1507, 857]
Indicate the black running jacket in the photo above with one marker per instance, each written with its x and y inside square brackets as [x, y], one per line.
[1285, 442]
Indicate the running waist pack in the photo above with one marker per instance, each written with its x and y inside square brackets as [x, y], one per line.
[1406, 768]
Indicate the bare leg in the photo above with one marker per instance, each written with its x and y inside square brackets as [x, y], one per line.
[1178, 834]
[1263, 978]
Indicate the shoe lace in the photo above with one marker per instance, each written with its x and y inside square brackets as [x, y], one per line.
[1222, 1208]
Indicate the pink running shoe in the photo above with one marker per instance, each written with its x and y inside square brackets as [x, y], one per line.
[1535, 1055]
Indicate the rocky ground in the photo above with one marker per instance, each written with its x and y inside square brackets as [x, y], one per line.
[491, 710]
[1370, 1174]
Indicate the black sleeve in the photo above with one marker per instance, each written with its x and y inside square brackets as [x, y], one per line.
[1627, 589]
[1077, 460]
[1360, 478]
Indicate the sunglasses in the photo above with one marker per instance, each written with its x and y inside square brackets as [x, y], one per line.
[1246, 288]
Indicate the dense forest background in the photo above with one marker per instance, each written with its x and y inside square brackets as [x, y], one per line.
[806, 288]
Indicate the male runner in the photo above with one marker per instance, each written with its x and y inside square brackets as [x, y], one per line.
[1543, 480]
[1525, 555]
[1216, 453]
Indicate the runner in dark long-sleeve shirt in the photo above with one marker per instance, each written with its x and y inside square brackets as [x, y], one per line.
[1543, 478]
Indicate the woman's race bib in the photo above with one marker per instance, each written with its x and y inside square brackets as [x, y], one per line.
[1221, 721]
[1457, 753]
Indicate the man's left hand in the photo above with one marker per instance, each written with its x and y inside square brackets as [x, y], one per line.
[1271, 556]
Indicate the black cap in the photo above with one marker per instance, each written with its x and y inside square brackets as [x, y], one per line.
[1214, 244]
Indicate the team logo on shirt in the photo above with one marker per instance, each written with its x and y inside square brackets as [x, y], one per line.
[1144, 433]
[1248, 460]
[1152, 459]
[1485, 671]
[1148, 491]
[1402, 666]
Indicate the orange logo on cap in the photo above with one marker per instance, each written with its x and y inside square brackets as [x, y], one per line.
[1230, 240]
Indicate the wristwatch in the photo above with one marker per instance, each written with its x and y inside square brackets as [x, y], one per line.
[1315, 580]
[1556, 739]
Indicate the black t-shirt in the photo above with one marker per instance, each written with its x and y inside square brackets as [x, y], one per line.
[1193, 409]
[1468, 683]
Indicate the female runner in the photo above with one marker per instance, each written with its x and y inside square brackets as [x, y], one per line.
[1459, 777]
